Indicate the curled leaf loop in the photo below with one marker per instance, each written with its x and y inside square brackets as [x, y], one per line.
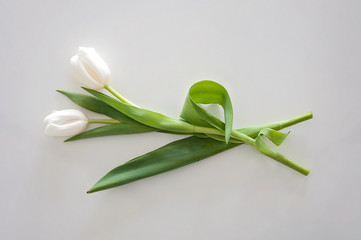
[208, 92]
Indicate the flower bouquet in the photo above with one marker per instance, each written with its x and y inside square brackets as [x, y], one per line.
[208, 134]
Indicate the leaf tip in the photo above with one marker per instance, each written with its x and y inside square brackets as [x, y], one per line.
[91, 91]
[92, 190]
[87, 89]
[69, 139]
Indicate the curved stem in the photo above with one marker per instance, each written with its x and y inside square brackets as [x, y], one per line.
[117, 95]
[107, 121]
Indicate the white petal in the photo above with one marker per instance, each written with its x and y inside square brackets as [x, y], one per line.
[71, 114]
[81, 74]
[67, 129]
[65, 115]
[94, 64]
[65, 122]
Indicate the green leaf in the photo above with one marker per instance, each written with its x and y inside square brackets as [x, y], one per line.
[113, 129]
[208, 92]
[178, 154]
[144, 116]
[95, 105]
[277, 138]
[168, 157]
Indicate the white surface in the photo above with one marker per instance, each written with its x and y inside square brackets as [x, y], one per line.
[277, 59]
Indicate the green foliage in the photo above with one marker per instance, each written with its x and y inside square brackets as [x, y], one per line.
[93, 104]
[168, 157]
[277, 138]
[208, 92]
[144, 116]
[211, 135]
[113, 129]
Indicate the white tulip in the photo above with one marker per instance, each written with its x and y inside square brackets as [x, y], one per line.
[66, 122]
[90, 69]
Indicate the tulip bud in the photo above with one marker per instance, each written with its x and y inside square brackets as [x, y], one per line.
[66, 122]
[90, 69]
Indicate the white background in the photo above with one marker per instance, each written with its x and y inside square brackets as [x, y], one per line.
[278, 59]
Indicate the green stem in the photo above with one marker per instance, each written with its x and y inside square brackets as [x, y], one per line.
[254, 130]
[295, 166]
[244, 137]
[107, 121]
[117, 95]
[296, 120]
[235, 134]
[247, 134]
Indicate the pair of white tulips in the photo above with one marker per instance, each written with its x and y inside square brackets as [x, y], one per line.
[92, 72]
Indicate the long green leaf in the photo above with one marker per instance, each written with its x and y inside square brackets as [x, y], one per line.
[113, 129]
[168, 157]
[95, 105]
[144, 116]
[208, 92]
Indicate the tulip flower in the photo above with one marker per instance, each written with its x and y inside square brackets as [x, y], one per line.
[66, 122]
[92, 72]
[90, 69]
